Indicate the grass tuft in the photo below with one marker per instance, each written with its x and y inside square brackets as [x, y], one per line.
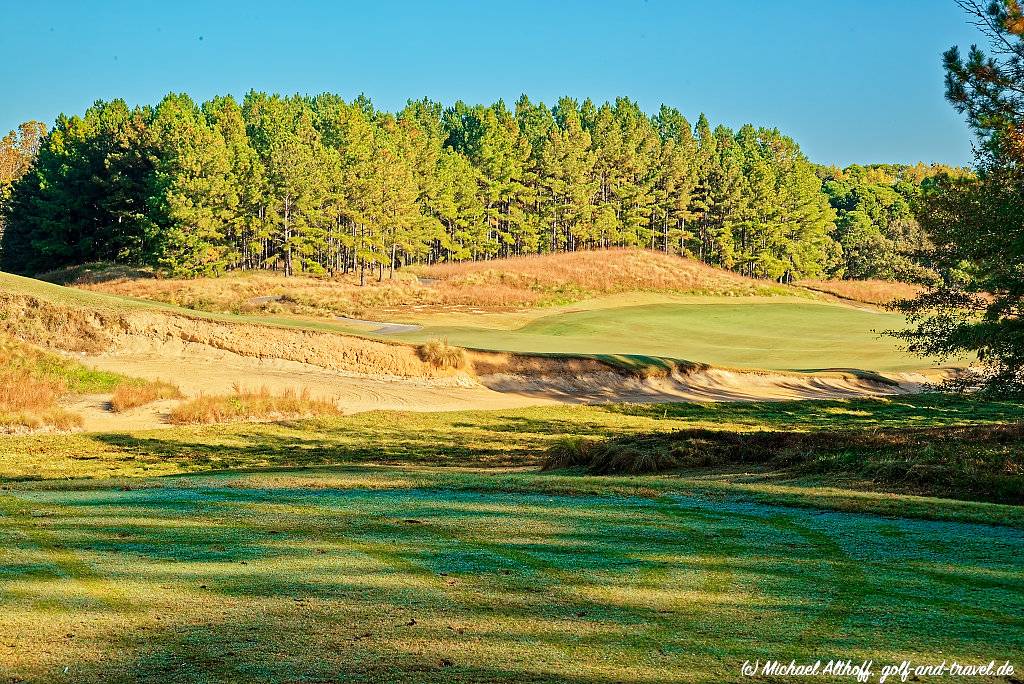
[248, 404]
[569, 452]
[132, 394]
[440, 354]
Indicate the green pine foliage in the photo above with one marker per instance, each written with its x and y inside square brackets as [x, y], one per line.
[322, 186]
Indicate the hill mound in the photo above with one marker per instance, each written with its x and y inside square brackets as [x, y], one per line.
[573, 275]
[496, 285]
[877, 292]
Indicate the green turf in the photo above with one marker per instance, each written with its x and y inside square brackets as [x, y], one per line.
[339, 550]
[770, 333]
[363, 575]
[775, 335]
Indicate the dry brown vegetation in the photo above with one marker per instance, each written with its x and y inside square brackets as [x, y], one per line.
[877, 292]
[971, 461]
[499, 284]
[34, 382]
[440, 354]
[51, 325]
[249, 404]
[573, 275]
[30, 390]
[129, 395]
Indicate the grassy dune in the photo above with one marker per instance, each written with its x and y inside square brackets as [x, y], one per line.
[499, 284]
[878, 292]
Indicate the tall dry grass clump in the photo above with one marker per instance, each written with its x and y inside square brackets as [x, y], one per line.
[248, 404]
[877, 292]
[29, 397]
[132, 394]
[440, 354]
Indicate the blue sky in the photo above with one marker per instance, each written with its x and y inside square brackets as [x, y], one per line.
[851, 81]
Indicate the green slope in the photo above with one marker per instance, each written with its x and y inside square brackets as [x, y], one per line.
[769, 333]
[404, 575]
[774, 335]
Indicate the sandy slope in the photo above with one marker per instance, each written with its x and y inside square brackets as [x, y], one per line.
[202, 369]
[213, 354]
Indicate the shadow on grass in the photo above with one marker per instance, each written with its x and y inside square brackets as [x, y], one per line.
[924, 410]
[287, 585]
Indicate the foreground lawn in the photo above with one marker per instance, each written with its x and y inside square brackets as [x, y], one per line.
[753, 333]
[401, 574]
[429, 548]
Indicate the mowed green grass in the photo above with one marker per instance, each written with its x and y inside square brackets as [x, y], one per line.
[428, 548]
[366, 574]
[777, 333]
[783, 335]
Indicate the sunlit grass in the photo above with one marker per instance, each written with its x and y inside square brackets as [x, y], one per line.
[251, 404]
[129, 395]
[411, 547]
[344, 576]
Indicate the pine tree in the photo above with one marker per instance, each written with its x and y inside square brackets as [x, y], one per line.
[246, 179]
[295, 162]
[704, 169]
[675, 181]
[567, 166]
[192, 189]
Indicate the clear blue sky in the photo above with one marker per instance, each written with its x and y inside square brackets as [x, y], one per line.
[851, 81]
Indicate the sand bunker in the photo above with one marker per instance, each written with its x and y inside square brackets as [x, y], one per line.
[199, 368]
[204, 356]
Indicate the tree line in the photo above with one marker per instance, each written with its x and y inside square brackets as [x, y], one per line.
[323, 186]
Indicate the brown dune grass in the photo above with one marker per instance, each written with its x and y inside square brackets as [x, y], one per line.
[877, 292]
[49, 324]
[34, 382]
[440, 354]
[29, 394]
[597, 272]
[129, 395]
[248, 404]
[498, 284]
